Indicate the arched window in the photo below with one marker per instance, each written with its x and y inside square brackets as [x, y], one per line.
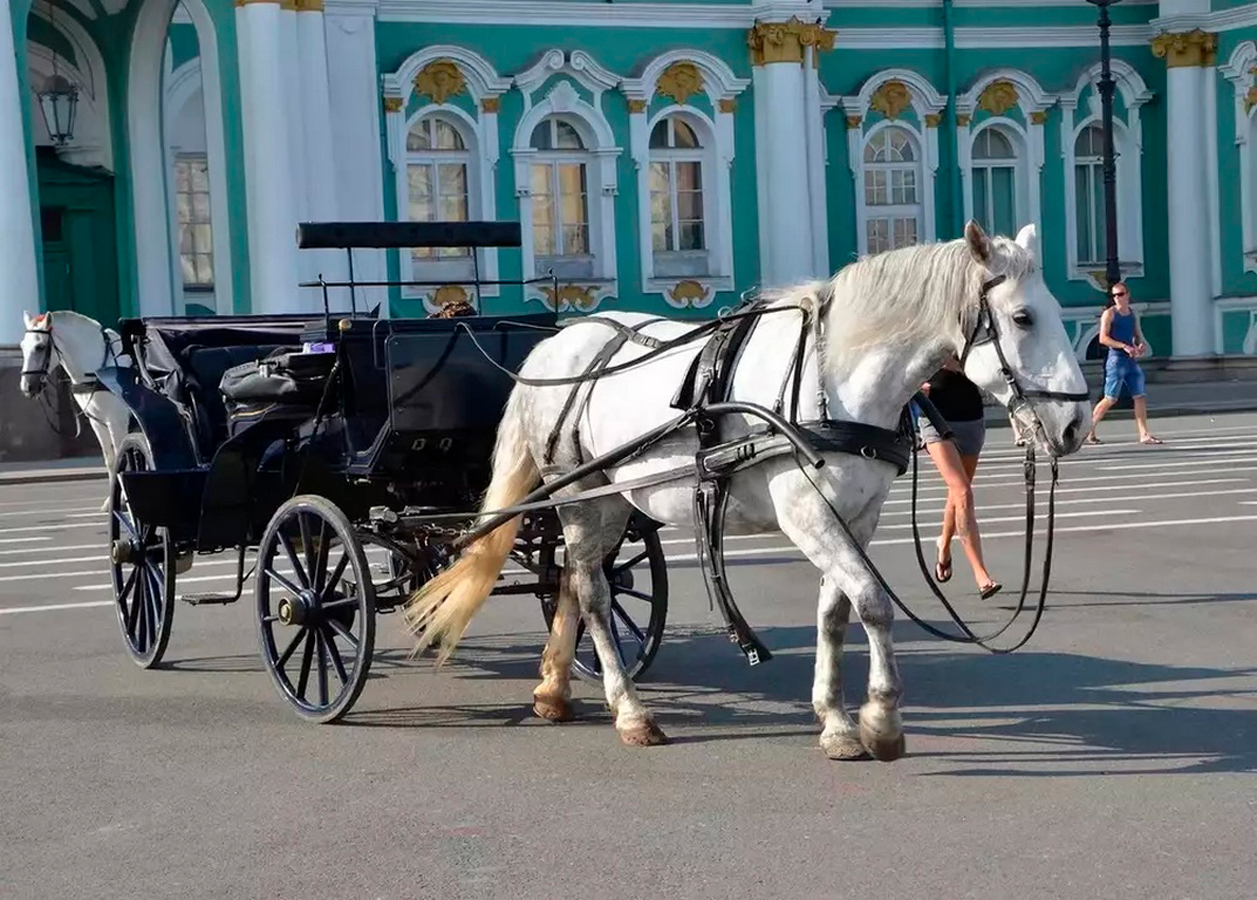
[994, 164]
[560, 199]
[678, 230]
[1089, 195]
[437, 179]
[892, 190]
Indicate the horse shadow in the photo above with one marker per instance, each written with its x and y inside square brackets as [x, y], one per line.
[1029, 713]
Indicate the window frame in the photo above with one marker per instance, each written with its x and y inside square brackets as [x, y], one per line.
[1024, 172]
[677, 263]
[182, 159]
[565, 265]
[889, 212]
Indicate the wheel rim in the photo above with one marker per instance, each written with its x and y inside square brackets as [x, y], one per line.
[140, 567]
[315, 608]
[638, 580]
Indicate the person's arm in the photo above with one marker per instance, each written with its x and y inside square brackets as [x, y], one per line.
[1140, 347]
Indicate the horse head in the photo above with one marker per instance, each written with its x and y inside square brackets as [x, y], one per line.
[39, 354]
[1015, 346]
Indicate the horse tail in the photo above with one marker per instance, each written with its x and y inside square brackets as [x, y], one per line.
[442, 608]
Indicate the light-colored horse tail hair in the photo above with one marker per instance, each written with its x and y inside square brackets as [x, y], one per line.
[442, 609]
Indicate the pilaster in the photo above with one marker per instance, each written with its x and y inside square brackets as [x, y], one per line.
[18, 271]
[1190, 59]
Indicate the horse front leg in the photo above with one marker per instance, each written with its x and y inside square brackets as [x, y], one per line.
[840, 737]
[809, 522]
[552, 698]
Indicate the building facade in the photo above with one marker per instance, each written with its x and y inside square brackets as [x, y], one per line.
[660, 156]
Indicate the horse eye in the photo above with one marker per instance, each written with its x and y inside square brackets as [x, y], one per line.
[1023, 318]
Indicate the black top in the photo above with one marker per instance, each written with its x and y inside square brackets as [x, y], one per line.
[956, 397]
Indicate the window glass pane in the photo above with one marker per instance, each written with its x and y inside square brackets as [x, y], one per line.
[900, 145]
[1082, 211]
[541, 137]
[183, 177]
[184, 203]
[689, 176]
[185, 240]
[542, 227]
[691, 236]
[201, 207]
[875, 234]
[991, 143]
[200, 176]
[203, 238]
[873, 150]
[683, 135]
[454, 209]
[575, 240]
[566, 137]
[1100, 241]
[573, 209]
[419, 180]
[572, 178]
[187, 266]
[453, 179]
[659, 135]
[447, 138]
[980, 211]
[1090, 142]
[660, 206]
[875, 191]
[660, 235]
[204, 268]
[419, 137]
[1003, 199]
[659, 177]
[689, 205]
[905, 232]
[540, 180]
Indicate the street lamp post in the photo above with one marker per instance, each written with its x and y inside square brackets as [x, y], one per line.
[1112, 268]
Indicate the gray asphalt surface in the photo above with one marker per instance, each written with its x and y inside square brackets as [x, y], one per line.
[1114, 756]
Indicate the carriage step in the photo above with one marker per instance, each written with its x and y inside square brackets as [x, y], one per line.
[209, 599]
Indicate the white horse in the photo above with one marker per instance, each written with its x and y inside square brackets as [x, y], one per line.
[80, 345]
[892, 320]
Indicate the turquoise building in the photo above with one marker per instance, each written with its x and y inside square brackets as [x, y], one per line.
[660, 156]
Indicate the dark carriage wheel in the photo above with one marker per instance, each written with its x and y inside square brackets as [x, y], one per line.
[315, 595]
[637, 573]
[141, 562]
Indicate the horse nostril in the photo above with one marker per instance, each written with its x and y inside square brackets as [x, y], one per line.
[1071, 431]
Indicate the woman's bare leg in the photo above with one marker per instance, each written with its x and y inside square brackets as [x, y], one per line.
[960, 505]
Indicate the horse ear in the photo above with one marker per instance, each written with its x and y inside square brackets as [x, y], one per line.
[979, 243]
[26, 318]
[1028, 240]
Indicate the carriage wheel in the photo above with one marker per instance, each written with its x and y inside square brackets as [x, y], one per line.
[637, 573]
[141, 561]
[315, 608]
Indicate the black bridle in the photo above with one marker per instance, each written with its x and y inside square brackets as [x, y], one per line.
[985, 331]
[42, 352]
[40, 372]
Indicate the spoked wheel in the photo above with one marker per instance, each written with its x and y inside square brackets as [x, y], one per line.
[141, 561]
[637, 573]
[315, 608]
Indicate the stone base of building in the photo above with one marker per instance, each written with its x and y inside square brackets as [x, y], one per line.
[33, 430]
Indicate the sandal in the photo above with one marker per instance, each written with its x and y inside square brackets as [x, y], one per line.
[1092, 439]
[991, 589]
[1151, 440]
[942, 569]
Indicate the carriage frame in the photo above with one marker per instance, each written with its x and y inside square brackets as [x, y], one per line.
[378, 439]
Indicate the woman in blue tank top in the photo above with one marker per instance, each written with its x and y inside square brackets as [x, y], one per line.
[1119, 332]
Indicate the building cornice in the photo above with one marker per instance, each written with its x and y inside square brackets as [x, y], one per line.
[1221, 20]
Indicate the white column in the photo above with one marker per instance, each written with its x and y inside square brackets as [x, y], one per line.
[1190, 250]
[316, 119]
[268, 160]
[815, 146]
[19, 281]
[356, 107]
[783, 131]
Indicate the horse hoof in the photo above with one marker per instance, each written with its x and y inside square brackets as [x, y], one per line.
[643, 734]
[881, 732]
[553, 709]
[843, 745]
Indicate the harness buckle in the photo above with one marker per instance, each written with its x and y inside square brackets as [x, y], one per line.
[868, 452]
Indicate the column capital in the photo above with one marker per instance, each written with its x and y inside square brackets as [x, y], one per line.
[309, 5]
[774, 42]
[1182, 49]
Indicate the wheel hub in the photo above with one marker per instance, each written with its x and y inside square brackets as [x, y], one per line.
[298, 610]
[123, 552]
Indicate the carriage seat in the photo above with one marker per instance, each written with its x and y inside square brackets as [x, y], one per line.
[203, 369]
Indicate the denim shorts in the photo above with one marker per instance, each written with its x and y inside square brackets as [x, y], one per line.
[1120, 369]
[969, 437]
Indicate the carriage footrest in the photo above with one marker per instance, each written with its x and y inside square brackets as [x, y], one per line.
[209, 599]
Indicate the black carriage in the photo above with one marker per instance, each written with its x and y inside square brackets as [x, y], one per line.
[317, 441]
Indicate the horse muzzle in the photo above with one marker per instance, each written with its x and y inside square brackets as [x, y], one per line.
[32, 385]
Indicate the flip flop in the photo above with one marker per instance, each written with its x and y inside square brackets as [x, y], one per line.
[1094, 440]
[991, 590]
[942, 571]
[1151, 440]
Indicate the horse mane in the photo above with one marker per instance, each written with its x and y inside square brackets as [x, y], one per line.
[909, 295]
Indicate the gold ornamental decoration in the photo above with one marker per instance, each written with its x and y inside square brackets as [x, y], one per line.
[570, 296]
[774, 42]
[392, 104]
[689, 294]
[680, 81]
[932, 120]
[637, 106]
[1038, 118]
[963, 120]
[727, 105]
[998, 98]
[853, 121]
[1250, 99]
[440, 80]
[491, 104]
[1188, 48]
[891, 99]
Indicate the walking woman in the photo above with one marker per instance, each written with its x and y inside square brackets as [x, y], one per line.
[955, 453]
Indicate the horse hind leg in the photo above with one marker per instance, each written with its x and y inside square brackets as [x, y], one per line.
[591, 531]
[552, 698]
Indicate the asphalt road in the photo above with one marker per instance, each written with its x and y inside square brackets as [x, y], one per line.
[1114, 756]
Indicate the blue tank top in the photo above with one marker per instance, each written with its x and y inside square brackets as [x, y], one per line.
[1122, 328]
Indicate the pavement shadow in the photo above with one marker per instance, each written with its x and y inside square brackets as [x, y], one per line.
[1147, 598]
[1036, 712]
